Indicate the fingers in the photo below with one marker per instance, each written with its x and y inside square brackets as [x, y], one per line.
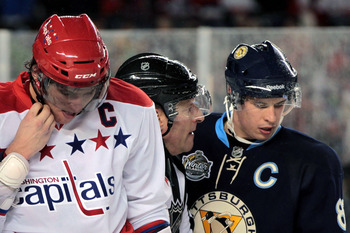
[45, 119]
[50, 123]
[44, 114]
[35, 109]
[41, 116]
[34, 131]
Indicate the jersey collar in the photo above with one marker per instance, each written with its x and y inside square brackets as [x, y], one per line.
[220, 132]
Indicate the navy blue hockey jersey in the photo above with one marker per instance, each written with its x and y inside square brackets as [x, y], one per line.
[291, 183]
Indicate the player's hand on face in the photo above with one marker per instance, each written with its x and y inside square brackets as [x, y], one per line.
[34, 131]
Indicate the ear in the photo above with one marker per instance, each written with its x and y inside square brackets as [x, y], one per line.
[163, 120]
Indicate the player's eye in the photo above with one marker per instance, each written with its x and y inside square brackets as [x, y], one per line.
[280, 104]
[260, 104]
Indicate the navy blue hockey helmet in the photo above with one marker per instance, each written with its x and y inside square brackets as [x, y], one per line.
[165, 81]
[261, 71]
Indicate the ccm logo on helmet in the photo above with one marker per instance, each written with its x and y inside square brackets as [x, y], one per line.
[85, 76]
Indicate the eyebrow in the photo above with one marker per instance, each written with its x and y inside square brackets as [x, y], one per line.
[282, 101]
[264, 102]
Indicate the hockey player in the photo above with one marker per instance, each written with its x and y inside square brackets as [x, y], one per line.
[180, 104]
[247, 172]
[81, 152]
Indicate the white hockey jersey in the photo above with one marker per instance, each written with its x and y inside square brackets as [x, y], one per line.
[97, 171]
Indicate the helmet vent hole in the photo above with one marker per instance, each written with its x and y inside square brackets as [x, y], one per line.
[63, 62]
[65, 73]
[83, 62]
[102, 70]
[55, 67]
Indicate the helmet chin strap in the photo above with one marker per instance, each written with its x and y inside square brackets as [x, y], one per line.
[170, 124]
[230, 126]
[39, 97]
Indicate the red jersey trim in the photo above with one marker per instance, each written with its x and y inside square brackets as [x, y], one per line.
[153, 227]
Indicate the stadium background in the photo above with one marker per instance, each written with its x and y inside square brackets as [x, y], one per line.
[315, 36]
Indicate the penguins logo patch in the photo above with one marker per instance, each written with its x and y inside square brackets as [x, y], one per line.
[222, 212]
[240, 52]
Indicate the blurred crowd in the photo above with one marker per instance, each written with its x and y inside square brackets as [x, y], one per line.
[121, 14]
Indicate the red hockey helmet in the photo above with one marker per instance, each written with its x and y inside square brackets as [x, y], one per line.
[70, 51]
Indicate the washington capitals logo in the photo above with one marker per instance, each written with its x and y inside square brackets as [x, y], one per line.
[55, 191]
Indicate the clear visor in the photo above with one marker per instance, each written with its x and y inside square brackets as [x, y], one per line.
[284, 103]
[195, 108]
[73, 99]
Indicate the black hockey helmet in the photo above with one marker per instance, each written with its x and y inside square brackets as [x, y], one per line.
[261, 71]
[165, 81]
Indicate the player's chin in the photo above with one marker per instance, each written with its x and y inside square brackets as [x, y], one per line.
[63, 118]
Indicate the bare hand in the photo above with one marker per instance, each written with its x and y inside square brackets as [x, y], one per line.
[34, 131]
